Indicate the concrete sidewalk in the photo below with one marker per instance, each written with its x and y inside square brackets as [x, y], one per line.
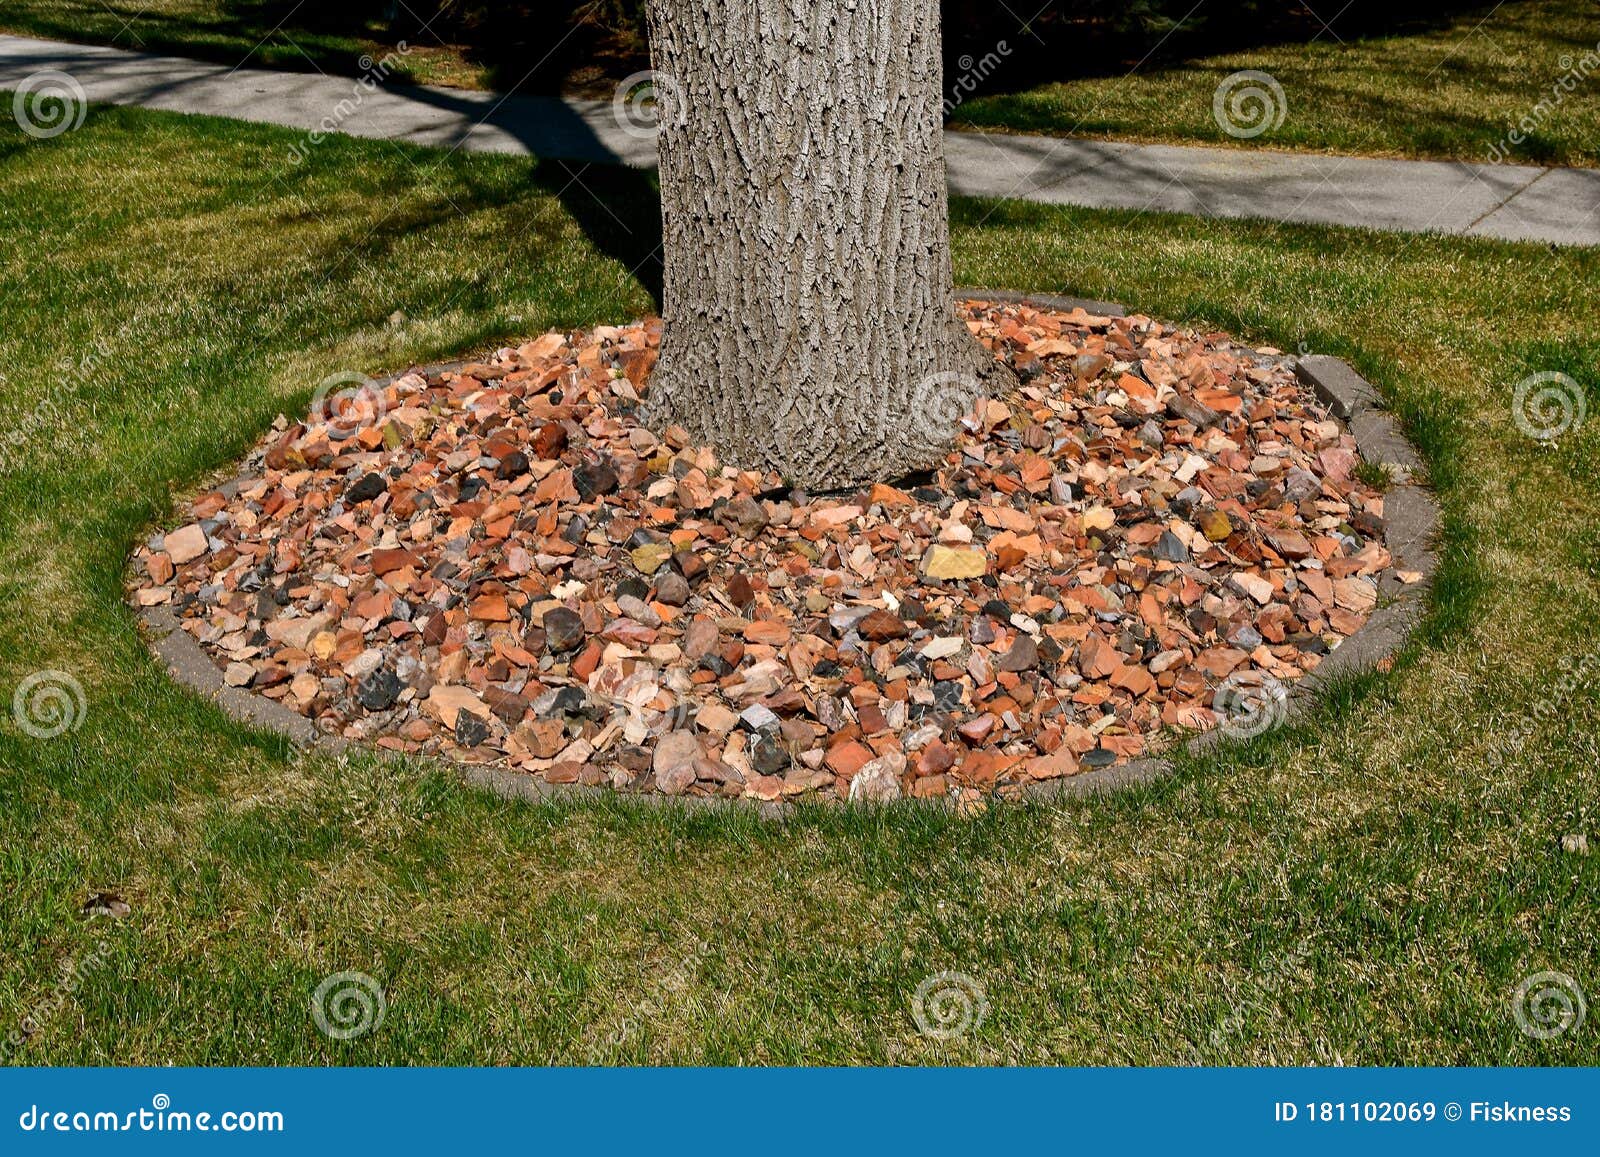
[1516, 202]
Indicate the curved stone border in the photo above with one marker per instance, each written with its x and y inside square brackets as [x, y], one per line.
[1411, 522]
[1043, 301]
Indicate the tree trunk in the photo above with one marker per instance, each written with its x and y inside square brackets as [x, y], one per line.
[809, 306]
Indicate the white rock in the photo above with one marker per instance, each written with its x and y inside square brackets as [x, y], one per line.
[879, 780]
[941, 648]
[1192, 465]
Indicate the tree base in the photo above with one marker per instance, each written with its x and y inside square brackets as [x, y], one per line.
[806, 280]
[895, 430]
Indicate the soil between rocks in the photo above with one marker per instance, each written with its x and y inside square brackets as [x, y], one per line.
[497, 563]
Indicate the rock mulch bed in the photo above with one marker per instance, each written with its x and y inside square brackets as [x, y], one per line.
[499, 564]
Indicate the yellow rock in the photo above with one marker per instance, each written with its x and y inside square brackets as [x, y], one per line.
[650, 557]
[948, 562]
[1216, 526]
[1100, 518]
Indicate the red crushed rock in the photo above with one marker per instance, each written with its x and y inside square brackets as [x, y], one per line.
[500, 564]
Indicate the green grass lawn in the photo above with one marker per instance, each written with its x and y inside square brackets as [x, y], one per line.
[1368, 887]
[270, 33]
[1453, 91]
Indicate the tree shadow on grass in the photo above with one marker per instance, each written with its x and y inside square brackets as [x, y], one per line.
[616, 203]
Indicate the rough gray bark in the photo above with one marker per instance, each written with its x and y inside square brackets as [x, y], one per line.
[809, 305]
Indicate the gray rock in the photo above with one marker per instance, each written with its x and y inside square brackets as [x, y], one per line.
[368, 488]
[845, 618]
[1300, 484]
[1023, 656]
[1169, 548]
[759, 718]
[1246, 638]
[594, 479]
[1189, 410]
[379, 690]
[766, 756]
[470, 730]
[562, 701]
